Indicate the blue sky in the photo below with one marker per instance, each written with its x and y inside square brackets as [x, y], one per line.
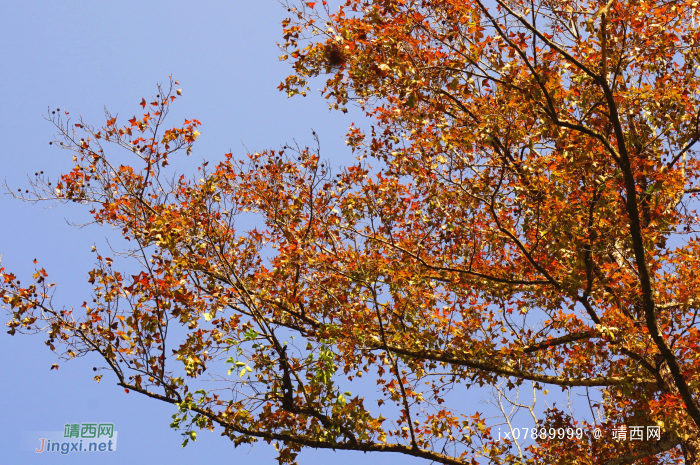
[83, 56]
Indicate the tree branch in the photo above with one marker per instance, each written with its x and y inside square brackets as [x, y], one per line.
[646, 450]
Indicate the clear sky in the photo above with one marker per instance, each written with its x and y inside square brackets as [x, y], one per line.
[85, 55]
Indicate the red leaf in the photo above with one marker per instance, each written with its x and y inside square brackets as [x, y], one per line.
[311, 4]
[126, 390]
[143, 102]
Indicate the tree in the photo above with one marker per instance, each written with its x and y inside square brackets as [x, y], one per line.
[529, 220]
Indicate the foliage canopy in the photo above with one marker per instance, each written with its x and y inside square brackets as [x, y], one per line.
[529, 222]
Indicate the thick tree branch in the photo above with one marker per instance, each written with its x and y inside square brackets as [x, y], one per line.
[557, 341]
[304, 440]
[442, 356]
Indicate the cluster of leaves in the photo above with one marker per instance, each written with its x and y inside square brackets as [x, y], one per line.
[532, 221]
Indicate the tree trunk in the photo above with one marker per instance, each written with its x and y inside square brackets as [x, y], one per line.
[691, 450]
[690, 446]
